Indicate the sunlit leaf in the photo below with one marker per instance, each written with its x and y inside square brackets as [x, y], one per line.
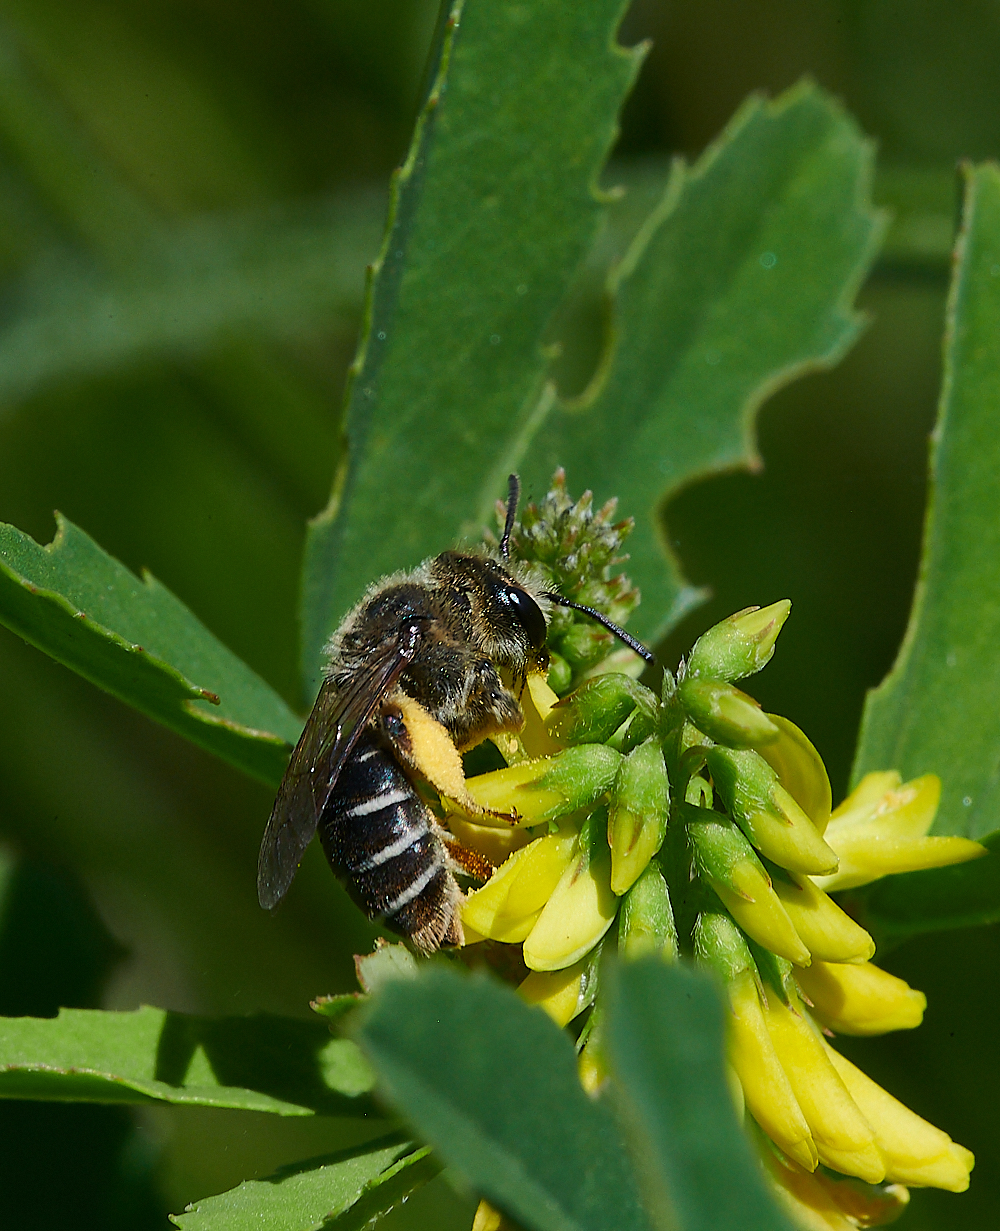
[137, 641]
[350, 1189]
[491, 214]
[262, 1063]
[492, 1084]
[665, 1046]
[740, 280]
[936, 711]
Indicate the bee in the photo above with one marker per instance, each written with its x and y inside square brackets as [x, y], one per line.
[412, 680]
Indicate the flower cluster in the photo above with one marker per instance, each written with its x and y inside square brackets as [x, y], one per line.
[692, 824]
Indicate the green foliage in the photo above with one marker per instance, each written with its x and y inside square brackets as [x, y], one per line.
[138, 642]
[936, 712]
[492, 1084]
[491, 214]
[347, 1192]
[262, 1063]
[727, 280]
[664, 1041]
[741, 279]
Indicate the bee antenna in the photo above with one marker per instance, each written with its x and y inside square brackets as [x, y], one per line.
[610, 625]
[513, 495]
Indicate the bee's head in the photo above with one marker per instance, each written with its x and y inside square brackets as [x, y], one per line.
[507, 618]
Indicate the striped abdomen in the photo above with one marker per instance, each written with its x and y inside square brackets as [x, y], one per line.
[383, 842]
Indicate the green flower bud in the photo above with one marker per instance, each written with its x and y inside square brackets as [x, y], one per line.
[560, 674]
[592, 713]
[721, 946]
[637, 820]
[548, 788]
[767, 814]
[727, 861]
[740, 645]
[583, 645]
[646, 919]
[725, 714]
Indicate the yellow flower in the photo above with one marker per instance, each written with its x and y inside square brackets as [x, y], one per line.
[581, 908]
[826, 931]
[915, 1152]
[561, 993]
[844, 1138]
[861, 999]
[769, 1096]
[882, 828]
[509, 904]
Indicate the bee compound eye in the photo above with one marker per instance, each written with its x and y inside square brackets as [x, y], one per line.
[528, 613]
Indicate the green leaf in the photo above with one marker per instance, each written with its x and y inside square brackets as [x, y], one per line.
[349, 1189]
[665, 1046]
[936, 711]
[185, 288]
[741, 280]
[260, 1063]
[913, 903]
[492, 1084]
[137, 641]
[490, 217]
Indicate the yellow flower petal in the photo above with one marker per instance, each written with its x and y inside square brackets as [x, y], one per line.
[844, 1139]
[826, 931]
[559, 992]
[861, 998]
[881, 829]
[915, 1152]
[756, 908]
[766, 1088]
[489, 840]
[800, 770]
[864, 799]
[576, 916]
[508, 905]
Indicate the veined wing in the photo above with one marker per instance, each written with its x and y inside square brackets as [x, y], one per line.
[331, 731]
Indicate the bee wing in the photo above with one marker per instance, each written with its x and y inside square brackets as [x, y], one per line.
[331, 731]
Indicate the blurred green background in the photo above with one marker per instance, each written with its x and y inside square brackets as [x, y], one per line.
[190, 191]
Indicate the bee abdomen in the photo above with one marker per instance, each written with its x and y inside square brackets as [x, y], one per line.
[382, 841]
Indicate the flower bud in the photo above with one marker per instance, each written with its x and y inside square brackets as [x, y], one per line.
[637, 816]
[560, 674]
[583, 645]
[844, 1138]
[646, 919]
[548, 788]
[725, 714]
[563, 994]
[826, 931]
[592, 713]
[582, 906]
[875, 834]
[800, 771]
[740, 645]
[861, 999]
[507, 907]
[765, 811]
[728, 863]
[915, 1152]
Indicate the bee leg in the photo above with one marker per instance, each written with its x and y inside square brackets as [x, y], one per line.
[422, 743]
[472, 863]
